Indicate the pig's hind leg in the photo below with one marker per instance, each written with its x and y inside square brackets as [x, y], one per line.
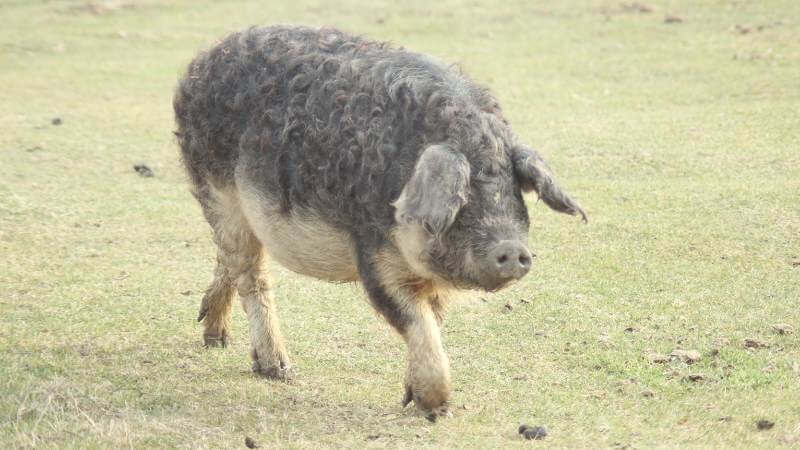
[215, 309]
[241, 266]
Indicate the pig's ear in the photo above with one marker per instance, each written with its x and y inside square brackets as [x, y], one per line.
[437, 190]
[534, 175]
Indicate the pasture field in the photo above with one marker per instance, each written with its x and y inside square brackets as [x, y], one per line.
[675, 123]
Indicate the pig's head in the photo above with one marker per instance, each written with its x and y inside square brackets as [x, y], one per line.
[467, 222]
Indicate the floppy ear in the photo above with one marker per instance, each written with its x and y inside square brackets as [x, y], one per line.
[437, 190]
[534, 175]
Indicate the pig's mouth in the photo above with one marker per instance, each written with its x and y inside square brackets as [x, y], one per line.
[484, 284]
[498, 286]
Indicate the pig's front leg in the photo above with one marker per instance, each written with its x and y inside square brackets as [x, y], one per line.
[410, 306]
[428, 376]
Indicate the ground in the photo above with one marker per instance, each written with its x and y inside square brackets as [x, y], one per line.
[675, 124]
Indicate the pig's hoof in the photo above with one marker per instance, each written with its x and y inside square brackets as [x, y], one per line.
[216, 339]
[281, 371]
[439, 411]
[432, 413]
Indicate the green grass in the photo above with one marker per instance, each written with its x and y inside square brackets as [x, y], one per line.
[682, 140]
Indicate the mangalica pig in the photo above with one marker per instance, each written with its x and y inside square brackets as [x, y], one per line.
[351, 160]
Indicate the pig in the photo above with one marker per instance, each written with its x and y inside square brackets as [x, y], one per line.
[350, 160]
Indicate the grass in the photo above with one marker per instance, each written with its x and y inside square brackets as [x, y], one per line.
[681, 140]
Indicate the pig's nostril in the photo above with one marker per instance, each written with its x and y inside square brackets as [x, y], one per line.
[502, 258]
[524, 260]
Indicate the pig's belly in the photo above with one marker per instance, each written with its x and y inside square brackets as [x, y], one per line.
[301, 241]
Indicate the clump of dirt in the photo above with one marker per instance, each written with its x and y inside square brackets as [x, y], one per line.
[765, 424]
[672, 19]
[783, 328]
[755, 343]
[143, 170]
[535, 432]
[657, 358]
[250, 443]
[746, 29]
[695, 377]
[636, 7]
[687, 356]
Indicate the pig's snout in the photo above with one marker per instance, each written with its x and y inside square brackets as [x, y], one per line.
[507, 261]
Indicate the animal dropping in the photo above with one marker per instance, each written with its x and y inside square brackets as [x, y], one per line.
[532, 432]
[349, 160]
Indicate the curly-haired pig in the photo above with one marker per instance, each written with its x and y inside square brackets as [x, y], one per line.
[350, 160]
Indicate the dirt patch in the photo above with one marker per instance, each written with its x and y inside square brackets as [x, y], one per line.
[783, 328]
[100, 9]
[626, 8]
[672, 19]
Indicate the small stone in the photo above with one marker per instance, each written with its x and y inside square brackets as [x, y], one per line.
[796, 261]
[56, 121]
[725, 419]
[508, 307]
[657, 358]
[250, 443]
[783, 328]
[765, 424]
[672, 19]
[648, 394]
[630, 330]
[186, 292]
